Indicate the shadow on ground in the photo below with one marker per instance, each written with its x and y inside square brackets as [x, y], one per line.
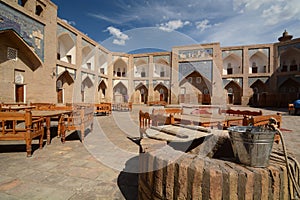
[128, 179]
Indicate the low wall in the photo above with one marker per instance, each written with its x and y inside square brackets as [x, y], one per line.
[167, 173]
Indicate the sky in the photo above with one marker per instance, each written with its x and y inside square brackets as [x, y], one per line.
[127, 25]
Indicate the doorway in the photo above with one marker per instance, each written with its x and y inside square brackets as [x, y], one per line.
[19, 93]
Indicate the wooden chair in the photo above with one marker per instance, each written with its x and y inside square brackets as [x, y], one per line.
[264, 120]
[21, 126]
[81, 118]
[102, 108]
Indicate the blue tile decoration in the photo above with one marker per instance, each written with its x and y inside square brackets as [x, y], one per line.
[195, 53]
[205, 68]
[285, 47]
[239, 81]
[143, 82]
[29, 29]
[254, 79]
[166, 83]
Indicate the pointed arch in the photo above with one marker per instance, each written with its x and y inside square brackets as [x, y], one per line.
[258, 63]
[65, 77]
[143, 91]
[66, 48]
[163, 92]
[120, 93]
[27, 55]
[120, 68]
[197, 89]
[232, 64]
[87, 82]
[234, 93]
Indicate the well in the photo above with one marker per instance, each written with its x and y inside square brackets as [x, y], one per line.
[167, 173]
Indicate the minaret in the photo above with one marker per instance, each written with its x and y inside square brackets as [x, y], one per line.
[285, 37]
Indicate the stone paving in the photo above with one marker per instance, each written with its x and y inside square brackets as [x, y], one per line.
[103, 167]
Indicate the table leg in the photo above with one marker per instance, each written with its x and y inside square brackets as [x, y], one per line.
[48, 124]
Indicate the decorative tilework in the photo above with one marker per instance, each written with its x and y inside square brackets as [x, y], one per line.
[284, 47]
[205, 68]
[195, 53]
[239, 81]
[144, 82]
[29, 29]
[166, 83]
[254, 79]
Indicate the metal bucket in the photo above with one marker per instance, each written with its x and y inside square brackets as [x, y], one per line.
[252, 145]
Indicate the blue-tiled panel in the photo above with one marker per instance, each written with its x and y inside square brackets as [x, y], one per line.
[166, 83]
[25, 26]
[61, 30]
[203, 67]
[239, 81]
[252, 80]
[195, 53]
[283, 48]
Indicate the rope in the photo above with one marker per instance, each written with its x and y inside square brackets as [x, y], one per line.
[272, 124]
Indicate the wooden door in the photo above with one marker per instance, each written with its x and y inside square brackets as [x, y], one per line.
[19, 93]
[59, 96]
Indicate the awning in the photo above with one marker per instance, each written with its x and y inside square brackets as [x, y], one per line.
[32, 60]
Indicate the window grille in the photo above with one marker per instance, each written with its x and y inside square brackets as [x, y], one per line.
[12, 53]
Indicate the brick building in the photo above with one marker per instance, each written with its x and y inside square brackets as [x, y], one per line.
[44, 59]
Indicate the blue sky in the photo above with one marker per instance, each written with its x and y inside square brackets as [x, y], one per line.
[127, 25]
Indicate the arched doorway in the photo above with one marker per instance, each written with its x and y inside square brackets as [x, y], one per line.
[259, 95]
[163, 92]
[196, 90]
[87, 94]
[120, 93]
[234, 93]
[63, 89]
[102, 91]
[143, 90]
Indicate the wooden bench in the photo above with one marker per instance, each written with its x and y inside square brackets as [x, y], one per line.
[241, 112]
[264, 120]
[80, 119]
[21, 126]
[122, 106]
[104, 108]
[157, 103]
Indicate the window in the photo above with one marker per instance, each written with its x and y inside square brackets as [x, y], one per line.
[229, 71]
[205, 91]
[230, 91]
[190, 79]
[102, 70]
[182, 90]
[293, 66]
[198, 80]
[12, 54]
[143, 73]
[254, 68]
[38, 10]
[162, 74]
[89, 65]
[69, 58]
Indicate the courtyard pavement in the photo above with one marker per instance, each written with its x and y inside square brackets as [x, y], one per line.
[105, 166]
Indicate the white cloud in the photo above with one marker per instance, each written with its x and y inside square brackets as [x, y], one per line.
[72, 23]
[120, 37]
[202, 25]
[173, 25]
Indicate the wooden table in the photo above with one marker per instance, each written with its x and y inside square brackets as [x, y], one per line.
[178, 132]
[208, 120]
[16, 108]
[52, 114]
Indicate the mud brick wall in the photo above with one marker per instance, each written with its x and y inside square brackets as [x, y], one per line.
[170, 174]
